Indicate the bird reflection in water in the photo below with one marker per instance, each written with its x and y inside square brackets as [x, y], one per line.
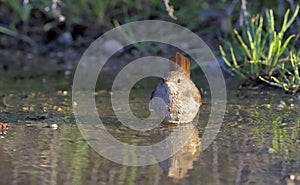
[180, 163]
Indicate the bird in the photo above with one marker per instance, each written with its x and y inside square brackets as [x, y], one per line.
[181, 98]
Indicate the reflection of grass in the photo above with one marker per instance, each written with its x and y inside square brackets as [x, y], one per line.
[281, 127]
[283, 139]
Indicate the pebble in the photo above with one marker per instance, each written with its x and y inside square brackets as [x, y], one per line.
[281, 105]
[54, 126]
[112, 46]
[65, 39]
[267, 150]
[75, 103]
[65, 93]
[67, 73]
[3, 126]
[292, 178]
[282, 102]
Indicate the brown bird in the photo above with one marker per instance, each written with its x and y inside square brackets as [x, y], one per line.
[180, 96]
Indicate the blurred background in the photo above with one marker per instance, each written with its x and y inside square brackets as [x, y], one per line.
[47, 26]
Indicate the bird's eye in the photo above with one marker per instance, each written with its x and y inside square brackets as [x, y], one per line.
[178, 80]
[163, 80]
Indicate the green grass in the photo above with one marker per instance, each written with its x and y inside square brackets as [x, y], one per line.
[259, 52]
[288, 78]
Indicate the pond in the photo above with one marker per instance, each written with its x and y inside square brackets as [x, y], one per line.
[258, 143]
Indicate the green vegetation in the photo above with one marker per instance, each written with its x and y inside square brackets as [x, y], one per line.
[79, 11]
[260, 52]
[289, 78]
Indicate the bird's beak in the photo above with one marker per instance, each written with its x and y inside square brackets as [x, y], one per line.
[171, 85]
[168, 83]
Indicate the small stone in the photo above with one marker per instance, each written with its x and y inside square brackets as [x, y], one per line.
[61, 18]
[75, 103]
[282, 102]
[112, 46]
[67, 73]
[292, 177]
[65, 39]
[3, 126]
[62, 93]
[267, 150]
[25, 108]
[281, 105]
[54, 126]
[271, 151]
[297, 176]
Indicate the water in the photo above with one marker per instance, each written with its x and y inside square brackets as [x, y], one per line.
[258, 142]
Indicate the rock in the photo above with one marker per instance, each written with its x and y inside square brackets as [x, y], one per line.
[111, 47]
[3, 126]
[281, 104]
[267, 150]
[54, 126]
[65, 39]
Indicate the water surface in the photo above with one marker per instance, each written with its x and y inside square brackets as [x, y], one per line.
[257, 144]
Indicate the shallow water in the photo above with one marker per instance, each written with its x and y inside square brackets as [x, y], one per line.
[258, 142]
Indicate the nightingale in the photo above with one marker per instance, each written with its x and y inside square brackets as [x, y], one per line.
[180, 95]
